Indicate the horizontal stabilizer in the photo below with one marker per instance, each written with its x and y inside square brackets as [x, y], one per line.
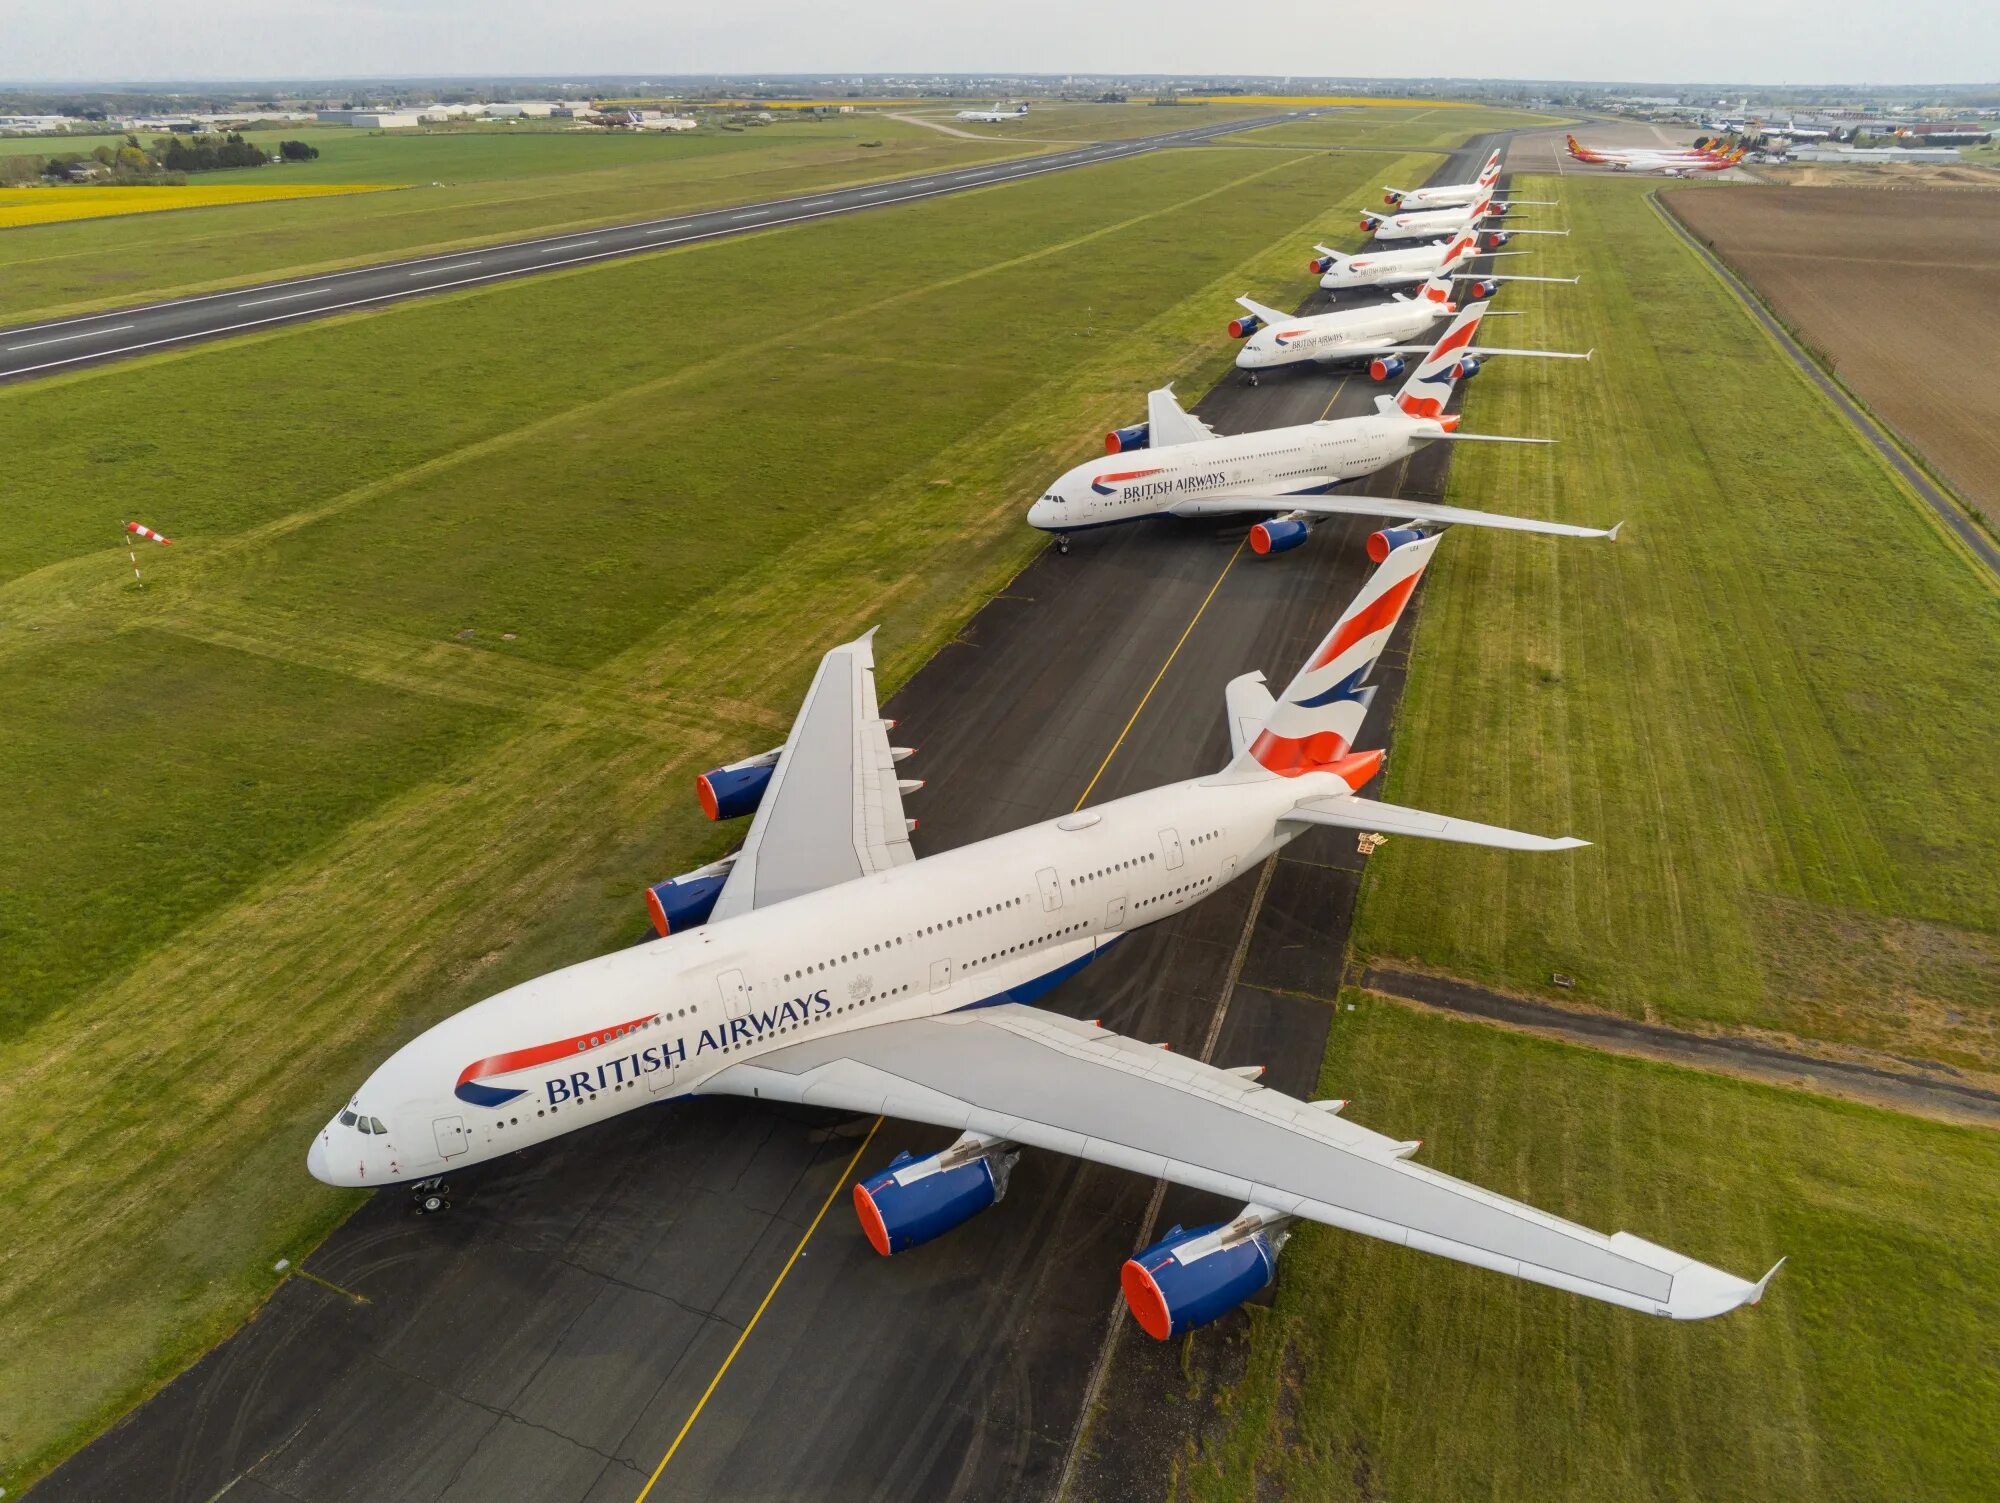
[1384, 506]
[1391, 819]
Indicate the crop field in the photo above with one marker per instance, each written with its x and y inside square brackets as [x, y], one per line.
[1770, 702]
[1867, 1372]
[20, 206]
[463, 593]
[1384, 128]
[1894, 290]
[471, 190]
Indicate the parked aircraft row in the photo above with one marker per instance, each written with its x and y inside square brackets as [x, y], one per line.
[1687, 163]
[826, 963]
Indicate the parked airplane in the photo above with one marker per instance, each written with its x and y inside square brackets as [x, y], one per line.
[993, 117]
[1445, 195]
[1189, 471]
[1419, 263]
[1672, 163]
[1446, 223]
[1271, 338]
[825, 964]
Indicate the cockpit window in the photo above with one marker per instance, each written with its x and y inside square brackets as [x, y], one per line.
[376, 1123]
[348, 1119]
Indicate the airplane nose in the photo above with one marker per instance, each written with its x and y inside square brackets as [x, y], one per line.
[1038, 515]
[316, 1164]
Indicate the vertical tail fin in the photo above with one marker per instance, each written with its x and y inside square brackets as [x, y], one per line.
[1437, 291]
[1490, 173]
[1431, 384]
[1313, 724]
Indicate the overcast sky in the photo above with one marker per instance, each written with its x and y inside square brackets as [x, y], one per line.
[1763, 41]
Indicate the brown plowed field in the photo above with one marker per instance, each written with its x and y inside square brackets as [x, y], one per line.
[1899, 289]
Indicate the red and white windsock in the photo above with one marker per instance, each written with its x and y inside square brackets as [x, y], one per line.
[144, 531]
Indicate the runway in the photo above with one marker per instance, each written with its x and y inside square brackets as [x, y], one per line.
[39, 349]
[575, 1327]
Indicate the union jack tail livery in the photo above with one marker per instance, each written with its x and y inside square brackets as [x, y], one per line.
[1431, 384]
[1311, 726]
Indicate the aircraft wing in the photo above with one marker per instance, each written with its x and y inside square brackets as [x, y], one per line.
[1269, 315]
[832, 811]
[1383, 506]
[1046, 1081]
[1170, 423]
[1482, 351]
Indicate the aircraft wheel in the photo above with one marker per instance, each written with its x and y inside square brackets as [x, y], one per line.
[1062, 546]
[431, 1203]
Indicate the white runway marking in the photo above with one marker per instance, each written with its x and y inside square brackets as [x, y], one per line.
[289, 297]
[36, 344]
[436, 271]
[566, 245]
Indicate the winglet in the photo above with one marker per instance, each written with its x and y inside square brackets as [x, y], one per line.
[1613, 533]
[1757, 1294]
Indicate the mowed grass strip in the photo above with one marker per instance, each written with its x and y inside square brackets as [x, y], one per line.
[1866, 1373]
[1381, 127]
[25, 206]
[693, 414]
[1770, 702]
[465, 191]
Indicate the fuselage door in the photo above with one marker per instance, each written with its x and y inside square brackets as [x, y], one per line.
[1051, 886]
[1114, 913]
[1170, 847]
[451, 1139]
[735, 994]
[941, 973]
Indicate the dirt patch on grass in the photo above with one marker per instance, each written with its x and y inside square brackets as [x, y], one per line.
[1893, 289]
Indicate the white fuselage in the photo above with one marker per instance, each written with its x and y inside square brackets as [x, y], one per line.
[1346, 334]
[1443, 196]
[1393, 268]
[1301, 460]
[1423, 225]
[997, 921]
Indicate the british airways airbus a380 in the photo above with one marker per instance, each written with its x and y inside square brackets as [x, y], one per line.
[1188, 471]
[825, 964]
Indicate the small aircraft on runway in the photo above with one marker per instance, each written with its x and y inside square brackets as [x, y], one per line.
[1284, 473]
[1418, 263]
[992, 117]
[825, 964]
[1368, 335]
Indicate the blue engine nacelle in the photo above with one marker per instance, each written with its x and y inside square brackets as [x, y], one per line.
[1244, 327]
[1497, 238]
[915, 1200]
[686, 901]
[1385, 367]
[735, 790]
[1320, 264]
[1168, 1296]
[1467, 368]
[1483, 288]
[1388, 540]
[1280, 535]
[1370, 223]
[1121, 440]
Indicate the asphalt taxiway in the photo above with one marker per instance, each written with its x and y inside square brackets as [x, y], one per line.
[678, 1305]
[44, 348]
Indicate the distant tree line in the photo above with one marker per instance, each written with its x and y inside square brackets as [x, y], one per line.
[168, 160]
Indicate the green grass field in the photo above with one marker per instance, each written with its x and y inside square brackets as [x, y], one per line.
[671, 480]
[1868, 1372]
[1381, 128]
[468, 189]
[1771, 702]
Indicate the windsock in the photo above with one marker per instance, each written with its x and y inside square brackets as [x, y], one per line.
[146, 532]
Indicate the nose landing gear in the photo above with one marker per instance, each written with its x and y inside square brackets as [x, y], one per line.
[1062, 545]
[429, 1197]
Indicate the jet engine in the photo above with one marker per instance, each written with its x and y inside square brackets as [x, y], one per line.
[1385, 367]
[1483, 288]
[1392, 198]
[1119, 440]
[728, 792]
[1189, 1278]
[1388, 540]
[1370, 223]
[917, 1199]
[1494, 239]
[1244, 327]
[685, 902]
[1319, 264]
[1279, 535]
[1467, 368]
